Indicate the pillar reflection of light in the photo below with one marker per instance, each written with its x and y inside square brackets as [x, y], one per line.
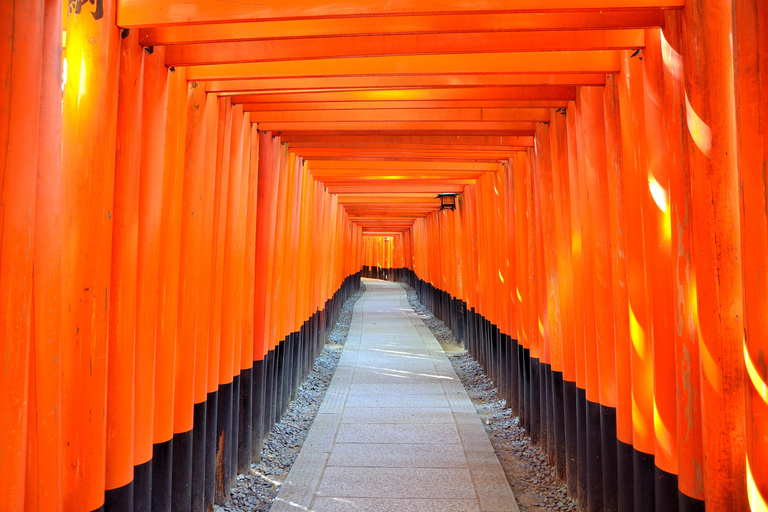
[710, 366]
[638, 420]
[700, 132]
[758, 381]
[663, 437]
[672, 60]
[756, 501]
[83, 89]
[660, 196]
[637, 334]
[576, 243]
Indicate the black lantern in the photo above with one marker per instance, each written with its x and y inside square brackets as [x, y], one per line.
[447, 201]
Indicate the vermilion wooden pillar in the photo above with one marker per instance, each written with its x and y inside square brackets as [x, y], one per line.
[711, 125]
[579, 306]
[751, 82]
[591, 105]
[266, 190]
[623, 344]
[542, 321]
[534, 336]
[22, 42]
[248, 226]
[189, 414]
[166, 340]
[206, 372]
[591, 414]
[658, 233]
[690, 458]
[554, 296]
[565, 272]
[205, 401]
[272, 148]
[88, 159]
[513, 303]
[635, 180]
[231, 273]
[154, 97]
[122, 316]
[44, 465]
[218, 379]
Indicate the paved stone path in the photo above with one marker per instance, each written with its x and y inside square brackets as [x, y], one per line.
[396, 430]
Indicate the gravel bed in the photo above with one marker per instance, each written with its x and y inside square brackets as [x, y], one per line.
[526, 466]
[256, 490]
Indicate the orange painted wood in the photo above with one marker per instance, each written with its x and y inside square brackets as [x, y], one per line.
[598, 186]
[167, 343]
[708, 71]
[254, 103]
[280, 153]
[44, 465]
[463, 127]
[304, 85]
[750, 86]
[443, 23]
[306, 49]
[204, 381]
[561, 204]
[283, 207]
[297, 140]
[552, 300]
[191, 345]
[123, 282]
[577, 258]
[133, 13]
[244, 313]
[521, 230]
[640, 320]
[509, 257]
[250, 353]
[690, 457]
[540, 276]
[223, 149]
[531, 272]
[89, 113]
[618, 234]
[458, 93]
[154, 96]
[232, 265]
[328, 117]
[659, 227]
[594, 61]
[393, 154]
[398, 166]
[267, 198]
[590, 349]
[22, 42]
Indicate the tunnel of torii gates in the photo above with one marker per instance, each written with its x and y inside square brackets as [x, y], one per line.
[191, 189]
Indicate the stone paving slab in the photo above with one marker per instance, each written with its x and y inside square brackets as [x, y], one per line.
[396, 431]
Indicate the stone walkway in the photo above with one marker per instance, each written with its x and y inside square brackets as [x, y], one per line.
[396, 430]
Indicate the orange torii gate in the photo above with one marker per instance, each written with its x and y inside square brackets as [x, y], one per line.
[191, 190]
